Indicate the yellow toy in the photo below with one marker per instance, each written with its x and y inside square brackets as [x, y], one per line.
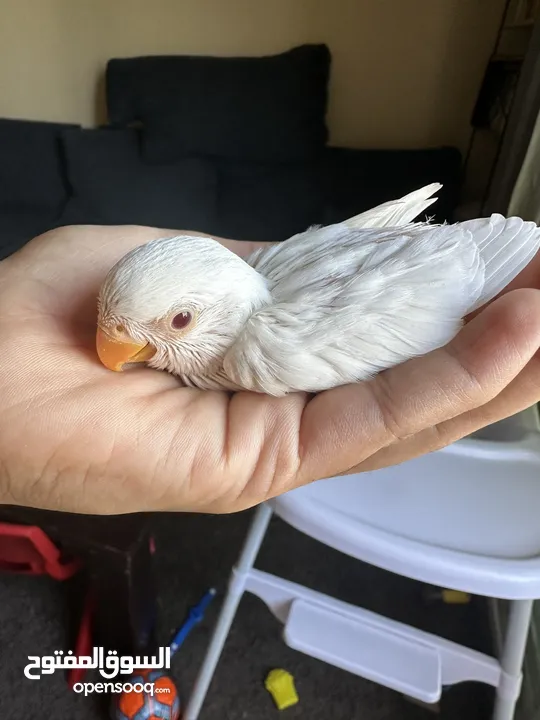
[280, 685]
[449, 597]
[455, 597]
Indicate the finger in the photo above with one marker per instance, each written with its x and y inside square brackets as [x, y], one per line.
[522, 392]
[343, 427]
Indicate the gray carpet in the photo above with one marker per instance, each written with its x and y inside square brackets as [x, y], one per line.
[196, 552]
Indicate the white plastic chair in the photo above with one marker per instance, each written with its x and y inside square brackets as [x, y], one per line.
[463, 518]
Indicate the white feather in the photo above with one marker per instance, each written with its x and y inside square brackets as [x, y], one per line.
[397, 213]
[506, 245]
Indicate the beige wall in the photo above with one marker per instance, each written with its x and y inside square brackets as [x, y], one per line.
[405, 72]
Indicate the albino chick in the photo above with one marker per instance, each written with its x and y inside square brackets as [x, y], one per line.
[329, 306]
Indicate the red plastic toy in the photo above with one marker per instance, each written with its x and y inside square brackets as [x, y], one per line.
[27, 550]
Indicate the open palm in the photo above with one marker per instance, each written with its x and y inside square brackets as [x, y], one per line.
[76, 437]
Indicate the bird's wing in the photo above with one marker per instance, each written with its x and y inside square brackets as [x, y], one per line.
[370, 299]
[395, 213]
[506, 246]
[346, 311]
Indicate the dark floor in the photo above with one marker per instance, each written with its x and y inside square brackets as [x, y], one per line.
[196, 552]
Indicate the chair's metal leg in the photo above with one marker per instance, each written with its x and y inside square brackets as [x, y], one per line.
[515, 643]
[237, 584]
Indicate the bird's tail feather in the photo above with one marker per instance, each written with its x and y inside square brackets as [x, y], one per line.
[507, 245]
[396, 213]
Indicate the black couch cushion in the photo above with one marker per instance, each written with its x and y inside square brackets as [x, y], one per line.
[31, 171]
[112, 186]
[269, 202]
[258, 108]
[361, 179]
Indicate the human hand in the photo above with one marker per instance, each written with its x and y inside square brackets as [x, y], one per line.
[76, 437]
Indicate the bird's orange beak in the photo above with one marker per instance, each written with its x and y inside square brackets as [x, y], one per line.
[115, 352]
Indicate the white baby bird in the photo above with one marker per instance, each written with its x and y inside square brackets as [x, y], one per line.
[329, 306]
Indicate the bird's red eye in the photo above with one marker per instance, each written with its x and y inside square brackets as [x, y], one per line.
[182, 320]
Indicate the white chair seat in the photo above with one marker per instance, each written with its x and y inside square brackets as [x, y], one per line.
[466, 517]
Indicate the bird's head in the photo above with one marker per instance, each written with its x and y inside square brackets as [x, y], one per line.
[177, 304]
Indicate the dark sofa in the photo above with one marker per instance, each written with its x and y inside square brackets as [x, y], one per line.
[237, 147]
